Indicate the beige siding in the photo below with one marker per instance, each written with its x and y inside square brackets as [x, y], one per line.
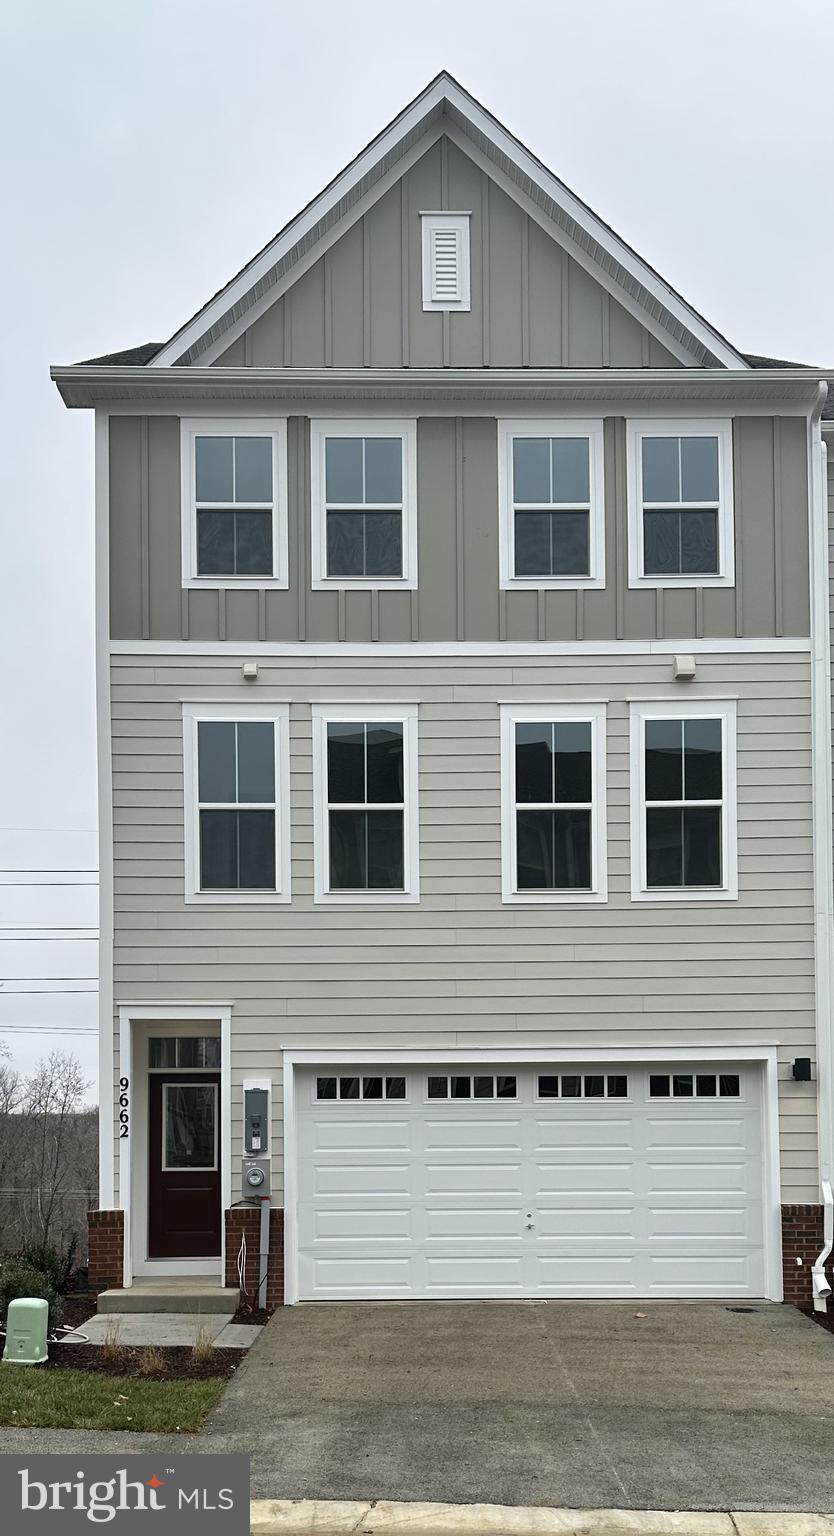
[457, 517]
[361, 304]
[460, 969]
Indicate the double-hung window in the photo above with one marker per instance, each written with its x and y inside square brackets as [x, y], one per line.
[365, 793]
[683, 812]
[680, 503]
[550, 504]
[234, 503]
[364, 504]
[553, 802]
[237, 838]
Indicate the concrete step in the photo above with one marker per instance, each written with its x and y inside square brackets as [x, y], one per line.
[171, 1295]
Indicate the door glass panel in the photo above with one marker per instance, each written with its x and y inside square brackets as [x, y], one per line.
[189, 1125]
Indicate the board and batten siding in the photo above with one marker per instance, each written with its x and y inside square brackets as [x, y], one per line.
[361, 304]
[458, 595]
[459, 969]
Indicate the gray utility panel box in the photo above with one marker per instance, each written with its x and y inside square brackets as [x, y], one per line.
[255, 1181]
[255, 1122]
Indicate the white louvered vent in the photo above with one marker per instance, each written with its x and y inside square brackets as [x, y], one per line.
[445, 261]
[445, 265]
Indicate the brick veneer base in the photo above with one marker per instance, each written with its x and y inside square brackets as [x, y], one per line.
[106, 1249]
[801, 1239]
[245, 1221]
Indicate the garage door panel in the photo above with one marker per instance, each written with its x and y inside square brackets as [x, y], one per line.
[683, 1178]
[570, 1198]
[345, 1178]
[482, 1180]
[354, 1135]
[580, 1224]
[487, 1223]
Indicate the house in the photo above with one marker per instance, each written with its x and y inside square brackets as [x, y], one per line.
[464, 742]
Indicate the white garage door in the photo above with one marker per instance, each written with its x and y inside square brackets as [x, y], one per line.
[519, 1181]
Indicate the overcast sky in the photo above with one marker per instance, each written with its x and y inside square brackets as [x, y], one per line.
[150, 147]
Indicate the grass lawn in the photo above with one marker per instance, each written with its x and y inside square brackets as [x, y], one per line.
[52, 1399]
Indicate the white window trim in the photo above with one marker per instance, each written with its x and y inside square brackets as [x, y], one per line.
[233, 426]
[680, 426]
[320, 429]
[459, 222]
[322, 715]
[512, 715]
[279, 716]
[202, 1167]
[508, 429]
[684, 709]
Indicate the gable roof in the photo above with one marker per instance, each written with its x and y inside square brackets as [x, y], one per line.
[445, 107]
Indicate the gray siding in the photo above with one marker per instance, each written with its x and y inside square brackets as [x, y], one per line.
[460, 969]
[361, 304]
[457, 511]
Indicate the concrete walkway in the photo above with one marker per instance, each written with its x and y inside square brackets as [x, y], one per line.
[141, 1328]
[560, 1405]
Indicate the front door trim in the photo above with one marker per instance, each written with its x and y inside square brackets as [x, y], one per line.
[504, 1054]
[169, 1013]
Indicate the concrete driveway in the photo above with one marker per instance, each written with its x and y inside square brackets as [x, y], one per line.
[689, 1407]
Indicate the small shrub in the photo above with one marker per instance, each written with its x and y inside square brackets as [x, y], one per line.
[17, 1278]
[56, 1263]
[203, 1347]
[150, 1360]
[112, 1347]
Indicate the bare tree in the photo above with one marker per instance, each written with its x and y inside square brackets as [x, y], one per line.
[48, 1139]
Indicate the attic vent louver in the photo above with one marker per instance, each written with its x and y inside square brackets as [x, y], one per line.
[445, 261]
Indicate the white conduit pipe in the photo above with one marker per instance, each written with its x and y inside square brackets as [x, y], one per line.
[819, 1284]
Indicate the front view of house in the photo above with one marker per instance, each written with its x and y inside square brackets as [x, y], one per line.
[464, 732]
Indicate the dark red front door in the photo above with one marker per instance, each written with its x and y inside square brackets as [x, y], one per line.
[184, 1165]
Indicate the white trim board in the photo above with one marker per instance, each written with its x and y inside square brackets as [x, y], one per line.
[764, 1054]
[237, 652]
[104, 758]
[135, 1223]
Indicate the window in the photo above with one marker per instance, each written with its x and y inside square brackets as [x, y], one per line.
[480, 1086]
[234, 503]
[365, 793]
[683, 812]
[184, 1051]
[550, 503]
[694, 1085]
[236, 803]
[364, 504]
[680, 503]
[446, 279]
[189, 1126]
[589, 1085]
[356, 1088]
[553, 802]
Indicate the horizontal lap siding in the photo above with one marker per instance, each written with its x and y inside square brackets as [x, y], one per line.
[460, 969]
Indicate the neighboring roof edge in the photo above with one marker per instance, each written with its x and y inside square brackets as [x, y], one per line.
[756, 360]
[445, 96]
[129, 357]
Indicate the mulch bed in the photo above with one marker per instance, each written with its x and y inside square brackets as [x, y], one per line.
[259, 1316]
[178, 1363]
[77, 1309]
[825, 1319]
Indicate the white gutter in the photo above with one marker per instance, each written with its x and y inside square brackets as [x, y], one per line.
[823, 822]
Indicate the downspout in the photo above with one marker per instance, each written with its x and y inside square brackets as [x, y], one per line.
[823, 824]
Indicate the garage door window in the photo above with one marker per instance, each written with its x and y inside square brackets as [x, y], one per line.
[683, 814]
[694, 1085]
[356, 1088]
[589, 1085]
[480, 1087]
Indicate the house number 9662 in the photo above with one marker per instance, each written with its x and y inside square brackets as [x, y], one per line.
[124, 1108]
